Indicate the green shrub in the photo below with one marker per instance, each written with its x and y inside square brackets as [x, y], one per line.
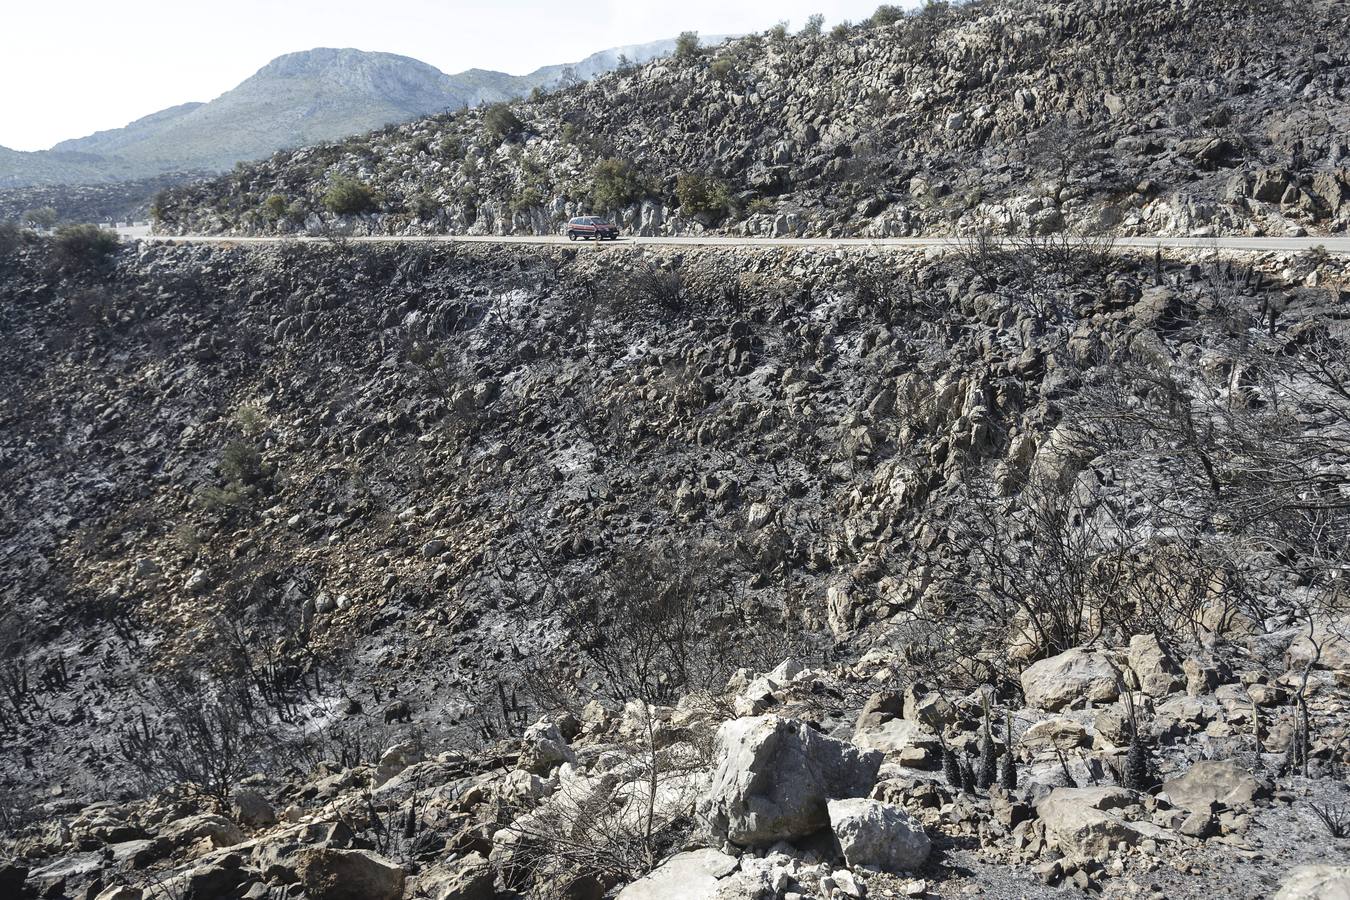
[841, 31]
[700, 195]
[723, 70]
[275, 207]
[778, 33]
[84, 245]
[348, 196]
[886, 14]
[9, 239]
[686, 45]
[616, 183]
[452, 148]
[813, 26]
[526, 200]
[424, 206]
[42, 217]
[501, 123]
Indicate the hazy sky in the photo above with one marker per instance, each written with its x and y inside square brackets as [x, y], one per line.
[73, 67]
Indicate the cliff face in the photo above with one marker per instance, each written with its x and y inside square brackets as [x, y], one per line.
[361, 510]
[1169, 116]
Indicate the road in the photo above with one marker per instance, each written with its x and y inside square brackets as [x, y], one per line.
[1337, 245]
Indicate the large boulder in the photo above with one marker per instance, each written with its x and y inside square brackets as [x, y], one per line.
[1214, 781]
[349, 875]
[467, 878]
[773, 778]
[872, 833]
[693, 875]
[1089, 821]
[1072, 677]
[1316, 883]
[1328, 647]
[906, 742]
[1154, 668]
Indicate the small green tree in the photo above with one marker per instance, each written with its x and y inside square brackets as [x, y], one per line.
[814, 25]
[84, 245]
[778, 33]
[42, 217]
[723, 70]
[686, 45]
[886, 14]
[275, 207]
[616, 183]
[841, 31]
[348, 196]
[702, 195]
[501, 124]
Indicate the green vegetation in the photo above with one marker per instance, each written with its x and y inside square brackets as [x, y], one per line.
[42, 217]
[616, 183]
[9, 239]
[841, 31]
[275, 207]
[526, 200]
[424, 206]
[778, 33]
[723, 70]
[348, 197]
[701, 195]
[813, 26]
[452, 147]
[502, 124]
[84, 245]
[886, 14]
[686, 45]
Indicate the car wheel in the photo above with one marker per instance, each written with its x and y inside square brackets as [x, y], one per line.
[571, 235]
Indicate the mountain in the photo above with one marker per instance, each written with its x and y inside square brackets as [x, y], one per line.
[296, 99]
[1161, 116]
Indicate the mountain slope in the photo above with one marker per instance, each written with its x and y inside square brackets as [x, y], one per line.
[1161, 116]
[299, 98]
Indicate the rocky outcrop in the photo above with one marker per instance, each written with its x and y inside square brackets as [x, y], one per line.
[878, 835]
[876, 130]
[774, 777]
[1073, 677]
[349, 875]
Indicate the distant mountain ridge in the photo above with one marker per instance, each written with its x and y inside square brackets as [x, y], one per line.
[296, 99]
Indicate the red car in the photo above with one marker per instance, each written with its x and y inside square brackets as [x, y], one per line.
[592, 227]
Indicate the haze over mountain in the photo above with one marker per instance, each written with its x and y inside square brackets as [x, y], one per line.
[299, 98]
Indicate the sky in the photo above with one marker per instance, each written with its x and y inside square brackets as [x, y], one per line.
[74, 67]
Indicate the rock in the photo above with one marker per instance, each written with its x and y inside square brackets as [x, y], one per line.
[217, 830]
[927, 707]
[1084, 821]
[252, 809]
[349, 875]
[774, 776]
[1153, 667]
[1316, 883]
[467, 878]
[1072, 677]
[871, 833]
[880, 708]
[900, 738]
[543, 749]
[692, 875]
[1214, 781]
[1333, 639]
[116, 892]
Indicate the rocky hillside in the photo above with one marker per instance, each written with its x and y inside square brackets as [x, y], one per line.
[1166, 116]
[419, 567]
[296, 99]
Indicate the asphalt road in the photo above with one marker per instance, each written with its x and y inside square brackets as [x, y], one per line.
[1337, 245]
